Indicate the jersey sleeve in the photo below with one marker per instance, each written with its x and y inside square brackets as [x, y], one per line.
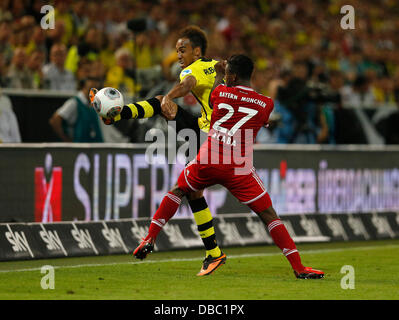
[189, 71]
[68, 111]
[268, 110]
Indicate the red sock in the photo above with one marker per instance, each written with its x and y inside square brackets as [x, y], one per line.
[167, 209]
[283, 240]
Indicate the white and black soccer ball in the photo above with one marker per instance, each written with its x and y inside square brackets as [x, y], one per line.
[108, 102]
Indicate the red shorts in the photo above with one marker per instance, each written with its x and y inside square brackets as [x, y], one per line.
[247, 188]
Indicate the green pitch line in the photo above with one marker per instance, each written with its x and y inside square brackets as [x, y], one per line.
[257, 273]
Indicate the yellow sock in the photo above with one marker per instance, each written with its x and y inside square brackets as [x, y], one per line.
[204, 221]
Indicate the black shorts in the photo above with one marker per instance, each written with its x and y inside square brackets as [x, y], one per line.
[186, 120]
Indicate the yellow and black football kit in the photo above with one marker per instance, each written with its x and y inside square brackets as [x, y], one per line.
[203, 70]
[141, 109]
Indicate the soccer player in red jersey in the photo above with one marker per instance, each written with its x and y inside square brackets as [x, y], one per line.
[226, 158]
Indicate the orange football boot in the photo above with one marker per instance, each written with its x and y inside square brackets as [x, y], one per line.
[210, 264]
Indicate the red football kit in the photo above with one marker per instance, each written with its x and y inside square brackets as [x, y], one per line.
[226, 157]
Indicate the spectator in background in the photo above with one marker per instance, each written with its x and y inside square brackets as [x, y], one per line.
[62, 13]
[18, 8]
[35, 65]
[121, 76]
[76, 120]
[38, 41]
[56, 77]
[87, 48]
[5, 36]
[55, 35]
[9, 129]
[4, 9]
[79, 19]
[85, 68]
[396, 87]
[23, 32]
[359, 95]
[35, 8]
[116, 22]
[3, 71]
[384, 91]
[336, 85]
[19, 76]
[98, 69]
[388, 126]
[27, 26]
[147, 49]
[291, 103]
[109, 44]
[299, 104]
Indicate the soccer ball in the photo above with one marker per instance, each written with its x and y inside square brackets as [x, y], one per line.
[108, 102]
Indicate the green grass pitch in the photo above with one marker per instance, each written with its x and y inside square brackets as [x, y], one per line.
[255, 273]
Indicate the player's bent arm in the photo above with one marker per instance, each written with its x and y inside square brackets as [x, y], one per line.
[220, 73]
[169, 108]
[182, 88]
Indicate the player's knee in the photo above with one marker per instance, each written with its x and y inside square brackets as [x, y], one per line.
[195, 195]
[177, 191]
[268, 215]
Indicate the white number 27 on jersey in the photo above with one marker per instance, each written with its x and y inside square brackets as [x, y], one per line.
[217, 125]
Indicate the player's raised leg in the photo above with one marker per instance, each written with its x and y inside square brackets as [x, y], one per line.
[140, 109]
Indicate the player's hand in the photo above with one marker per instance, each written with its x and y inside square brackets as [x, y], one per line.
[169, 108]
[220, 68]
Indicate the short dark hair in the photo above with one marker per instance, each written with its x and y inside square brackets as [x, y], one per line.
[241, 65]
[196, 36]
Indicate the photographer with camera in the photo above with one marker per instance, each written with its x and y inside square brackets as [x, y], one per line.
[304, 106]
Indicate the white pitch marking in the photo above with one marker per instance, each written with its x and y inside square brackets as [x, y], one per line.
[249, 255]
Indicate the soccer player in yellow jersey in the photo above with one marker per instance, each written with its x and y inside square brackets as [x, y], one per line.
[197, 76]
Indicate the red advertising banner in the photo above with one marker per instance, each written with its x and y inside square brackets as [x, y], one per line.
[48, 194]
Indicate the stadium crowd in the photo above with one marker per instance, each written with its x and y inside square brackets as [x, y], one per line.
[305, 61]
